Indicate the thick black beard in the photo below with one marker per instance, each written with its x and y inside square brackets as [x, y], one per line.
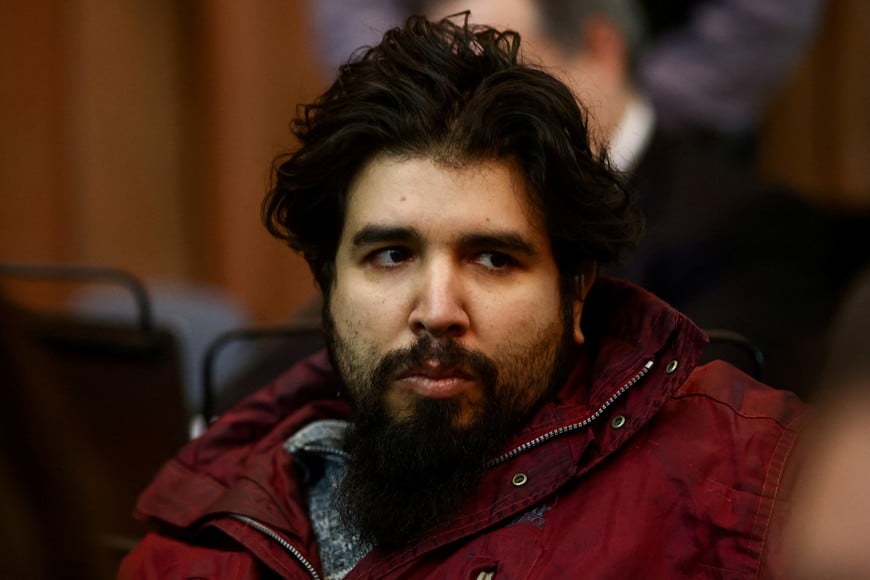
[406, 474]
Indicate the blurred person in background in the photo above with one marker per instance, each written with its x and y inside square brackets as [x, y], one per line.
[715, 65]
[708, 65]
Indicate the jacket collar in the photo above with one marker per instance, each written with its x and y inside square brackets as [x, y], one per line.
[626, 328]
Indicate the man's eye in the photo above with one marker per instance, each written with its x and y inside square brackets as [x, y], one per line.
[388, 257]
[495, 260]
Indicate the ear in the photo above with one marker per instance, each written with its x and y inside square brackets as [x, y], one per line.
[582, 284]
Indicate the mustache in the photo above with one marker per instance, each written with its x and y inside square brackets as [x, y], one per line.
[445, 354]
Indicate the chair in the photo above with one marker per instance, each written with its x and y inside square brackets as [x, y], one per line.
[281, 346]
[107, 397]
[736, 349]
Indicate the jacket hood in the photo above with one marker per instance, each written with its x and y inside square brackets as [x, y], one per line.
[628, 331]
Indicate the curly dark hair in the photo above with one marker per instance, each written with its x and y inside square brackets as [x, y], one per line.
[454, 93]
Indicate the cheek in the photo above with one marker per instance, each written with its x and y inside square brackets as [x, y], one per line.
[344, 316]
[361, 315]
[513, 314]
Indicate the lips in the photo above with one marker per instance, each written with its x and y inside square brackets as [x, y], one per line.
[435, 381]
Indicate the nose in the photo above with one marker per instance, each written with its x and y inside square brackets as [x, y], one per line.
[439, 307]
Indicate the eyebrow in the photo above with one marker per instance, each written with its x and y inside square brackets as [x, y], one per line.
[378, 234]
[374, 234]
[502, 241]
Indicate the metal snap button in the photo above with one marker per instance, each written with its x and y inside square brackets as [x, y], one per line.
[519, 479]
[618, 422]
[672, 366]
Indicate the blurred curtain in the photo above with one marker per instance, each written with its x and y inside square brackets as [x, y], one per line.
[140, 135]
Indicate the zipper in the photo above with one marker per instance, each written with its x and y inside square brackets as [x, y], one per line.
[324, 450]
[284, 543]
[574, 426]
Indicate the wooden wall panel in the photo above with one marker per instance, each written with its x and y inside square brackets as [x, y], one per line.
[35, 217]
[126, 98]
[259, 65]
[37, 222]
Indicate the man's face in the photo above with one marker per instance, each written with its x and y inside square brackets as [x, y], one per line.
[446, 323]
[446, 276]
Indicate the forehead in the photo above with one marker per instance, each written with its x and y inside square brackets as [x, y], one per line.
[440, 199]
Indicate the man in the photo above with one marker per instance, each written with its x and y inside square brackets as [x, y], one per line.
[487, 407]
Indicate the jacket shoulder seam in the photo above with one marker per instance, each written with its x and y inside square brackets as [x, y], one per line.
[789, 425]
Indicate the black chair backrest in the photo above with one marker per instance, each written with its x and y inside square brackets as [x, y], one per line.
[280, 348]
[112, 391]
[736, 349]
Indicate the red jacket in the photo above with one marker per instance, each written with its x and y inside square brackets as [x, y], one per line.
[642, 466]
